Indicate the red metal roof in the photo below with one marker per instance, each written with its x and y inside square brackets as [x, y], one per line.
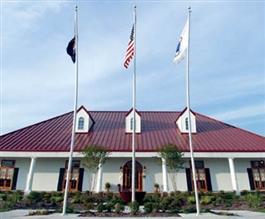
[158, 129]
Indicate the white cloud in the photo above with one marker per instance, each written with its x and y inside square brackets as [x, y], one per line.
[242, 113]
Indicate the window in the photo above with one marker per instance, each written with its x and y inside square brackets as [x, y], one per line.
[81, 122]
[200, 176]
[131, 124]
[74, 176]
[258, 171]
[187, 123]
[6, 174]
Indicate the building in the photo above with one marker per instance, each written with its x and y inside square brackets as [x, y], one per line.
[226, 157]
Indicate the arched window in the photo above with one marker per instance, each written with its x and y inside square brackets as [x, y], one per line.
[186, 123]
[81, 122]
[131, 124]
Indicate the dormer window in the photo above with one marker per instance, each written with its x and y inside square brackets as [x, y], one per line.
[81, 123]
[129, 122]
[84, 120]
[183, 121]
[187, 124]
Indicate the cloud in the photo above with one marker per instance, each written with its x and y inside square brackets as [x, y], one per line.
[242, 113]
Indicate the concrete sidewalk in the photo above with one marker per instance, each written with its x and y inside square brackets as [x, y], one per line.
[22, 214]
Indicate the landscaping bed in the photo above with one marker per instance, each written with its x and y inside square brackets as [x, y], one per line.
[110, 204]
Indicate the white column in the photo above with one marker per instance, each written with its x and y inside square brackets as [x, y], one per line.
[233, 174]
[99, 178]
[164, 173]
[30, 176]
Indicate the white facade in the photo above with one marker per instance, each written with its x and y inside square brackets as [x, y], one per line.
[46, 173]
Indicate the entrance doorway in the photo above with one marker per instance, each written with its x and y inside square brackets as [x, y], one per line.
[127, 176]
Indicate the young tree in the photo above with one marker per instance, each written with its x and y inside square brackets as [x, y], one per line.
[94, 156]
[174, 160]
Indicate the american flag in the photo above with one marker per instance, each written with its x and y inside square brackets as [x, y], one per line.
[130, 50]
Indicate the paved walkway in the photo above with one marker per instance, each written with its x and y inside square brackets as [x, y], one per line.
[22, 214]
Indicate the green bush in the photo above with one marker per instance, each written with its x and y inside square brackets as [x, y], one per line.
[244, 192]
[175, 205]
[165, 202]
[148, 207]
[253, 200]
[191, 199]
[89, 206]
[206, 200]
[134, 207]
[189, 209]
[100, 207]
[14, 197]
[56, 199]
[118, 208]
[76, 197]
[34, 197]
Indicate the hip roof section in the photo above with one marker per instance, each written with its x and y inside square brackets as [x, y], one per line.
[158, 129]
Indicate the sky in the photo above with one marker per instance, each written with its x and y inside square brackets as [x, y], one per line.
[227, 59]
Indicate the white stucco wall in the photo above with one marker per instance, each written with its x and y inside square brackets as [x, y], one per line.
[220, 174]
[241, 166]
[46, 174]
[23, 165]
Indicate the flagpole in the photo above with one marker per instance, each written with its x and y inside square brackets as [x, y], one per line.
[134, 103]
[189, 118]
[74, 117]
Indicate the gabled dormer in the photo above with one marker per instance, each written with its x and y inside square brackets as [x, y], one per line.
[183, 124]
[84, 120]
[129, 122]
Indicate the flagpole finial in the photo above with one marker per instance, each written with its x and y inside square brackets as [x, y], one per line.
[134, 6]
[76, 7]
[189, 8]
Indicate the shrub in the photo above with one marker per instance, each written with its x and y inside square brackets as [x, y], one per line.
[244, 192]
[189, 209]
[76, 197]
[148, 207]
[89, 205]
[100, 207]
[134, 207]
[156, 187]
[253, 200]
[175, 205]
[118, 208]
[165, 202]
[191, 199]
[56, 199]
[34, 197]
[107, 186]
[14, 197]
[206, 200]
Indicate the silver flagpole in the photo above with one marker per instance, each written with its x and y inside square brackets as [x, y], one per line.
[74, 117]
[189, 118]
[134, 103]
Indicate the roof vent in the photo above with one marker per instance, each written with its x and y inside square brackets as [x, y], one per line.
[84, 120]
[129, 122]
[183, 124]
